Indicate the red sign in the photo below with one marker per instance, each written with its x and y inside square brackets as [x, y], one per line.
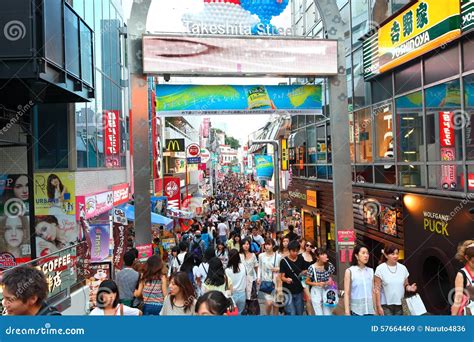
[193, 150]
[446, 129]
[172, 190]
[112, 137]
[121, 193]
[346, 237]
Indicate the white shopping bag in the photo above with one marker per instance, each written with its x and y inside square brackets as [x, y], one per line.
[416, 306]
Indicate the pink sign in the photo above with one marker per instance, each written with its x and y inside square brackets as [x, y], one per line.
[448, 172]
[346, 237]
[94, 205]
[144, 251]
[112, 137]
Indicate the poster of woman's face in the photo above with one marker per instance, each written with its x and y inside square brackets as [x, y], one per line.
[15, 237]
[14, 194]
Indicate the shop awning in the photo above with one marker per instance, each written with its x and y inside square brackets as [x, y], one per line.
[155, 218]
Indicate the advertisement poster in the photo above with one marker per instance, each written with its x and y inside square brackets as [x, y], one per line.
[99, 272]
[100, 235]
[55, 208]
[14, 220]
[168, 244]
[236, 99]
[144, 251]
[94, 205]
[388, 221]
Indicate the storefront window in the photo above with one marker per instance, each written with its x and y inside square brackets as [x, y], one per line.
[321, 145]
[361, 88]
[329, 146]
[382, 88]
[349, 82]
[408, 78]
[81, 135]
[443, 129]
[412, 176]
[385, 174]
[383, 118]
[364, 174]
[442, 63]
[311, 140]
[467, 53]
[322, 172]
[345, 14]
[446, 177]
[363, 136]
[351, 137]
[410, 127]
[468, 117]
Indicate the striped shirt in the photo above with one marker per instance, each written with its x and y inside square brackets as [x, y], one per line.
[153, 292]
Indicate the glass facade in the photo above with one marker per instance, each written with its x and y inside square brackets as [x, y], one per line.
[105, 18]
[410, 127]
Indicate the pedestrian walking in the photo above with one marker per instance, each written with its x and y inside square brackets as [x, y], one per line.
[319, 278]
[153, 286]
[181, 299]
[291, 267]
[268, 270]
[463, 303]
[236, 272]
[108, 302]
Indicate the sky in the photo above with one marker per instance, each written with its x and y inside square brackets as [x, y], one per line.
[165, 17]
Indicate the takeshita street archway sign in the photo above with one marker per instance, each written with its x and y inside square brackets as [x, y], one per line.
[342, 177]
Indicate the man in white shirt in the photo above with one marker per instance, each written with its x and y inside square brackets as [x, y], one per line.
[183, 249]
[257, 238]
[223, 231]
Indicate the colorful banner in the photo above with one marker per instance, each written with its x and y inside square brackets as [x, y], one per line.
[419, 29]
[112, 138]
[232, 99]
[172, 190]
[144, 251]
[284, 155]
[94, 205]
[100, 235]
[264, 166]
[446, 129]
[54, 193]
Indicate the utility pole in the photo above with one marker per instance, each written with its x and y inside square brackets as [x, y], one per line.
[276, 173]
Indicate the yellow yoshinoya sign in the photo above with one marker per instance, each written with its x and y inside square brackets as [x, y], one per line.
[426, 25]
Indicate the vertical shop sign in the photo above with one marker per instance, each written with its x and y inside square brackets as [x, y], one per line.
[100, 234]
[447, 150]
[284, 155]
[172, 191]
[112, 138]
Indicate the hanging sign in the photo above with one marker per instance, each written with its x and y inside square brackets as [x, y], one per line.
[172, 191]
[112, 137]
[264, 166]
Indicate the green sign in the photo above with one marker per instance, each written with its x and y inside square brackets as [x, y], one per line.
[467, 15]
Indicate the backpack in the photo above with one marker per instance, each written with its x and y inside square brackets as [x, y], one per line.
[254, 247]
[197, 251]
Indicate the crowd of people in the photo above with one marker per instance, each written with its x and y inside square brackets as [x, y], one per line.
[232, 261]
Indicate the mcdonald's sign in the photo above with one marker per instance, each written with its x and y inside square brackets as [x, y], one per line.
[175, 145]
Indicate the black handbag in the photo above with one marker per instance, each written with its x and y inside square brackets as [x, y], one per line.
[268, 286]
[252, 306]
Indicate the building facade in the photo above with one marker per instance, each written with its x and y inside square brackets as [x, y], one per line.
[411, 143]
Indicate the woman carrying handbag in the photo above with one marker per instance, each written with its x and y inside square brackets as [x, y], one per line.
[268, 268]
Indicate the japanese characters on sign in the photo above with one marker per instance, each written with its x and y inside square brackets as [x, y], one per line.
[112, 137]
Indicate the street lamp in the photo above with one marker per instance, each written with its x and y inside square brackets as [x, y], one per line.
[276, 172]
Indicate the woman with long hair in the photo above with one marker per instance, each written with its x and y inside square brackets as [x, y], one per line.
[153, 286]
[268, 268]
[390, 283]
[463, 304]
[319, 277]
[214, 303]
[217, 279]
[235, 271]
[307, 255]
[221, 253]
[302, 242]
[108, 302]
[359, 297]
[284, 251]
[234, 243]
[181, 298]
[55, 190]
[200, 272]
[250, 262]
